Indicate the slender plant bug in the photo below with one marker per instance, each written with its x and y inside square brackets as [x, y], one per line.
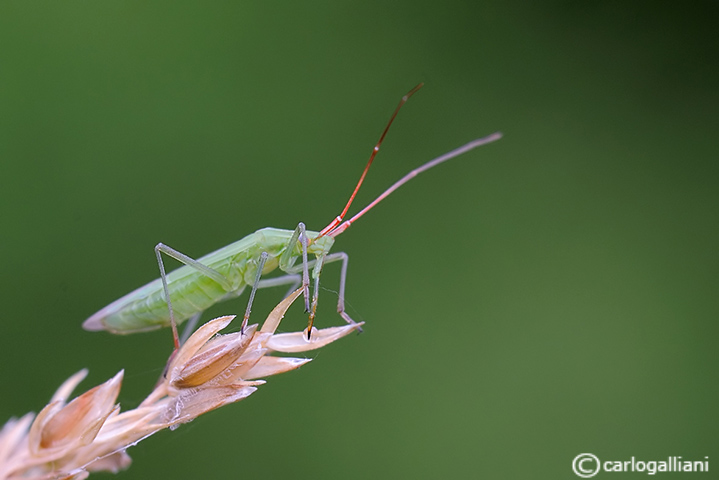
[186, 292]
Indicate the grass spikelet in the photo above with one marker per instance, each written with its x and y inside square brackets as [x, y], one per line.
[90, 433]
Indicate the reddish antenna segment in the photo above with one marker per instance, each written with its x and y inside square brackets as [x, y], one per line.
[341, 216]
[432, 163]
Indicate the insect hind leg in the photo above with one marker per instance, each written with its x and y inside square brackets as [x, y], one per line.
[161, 248]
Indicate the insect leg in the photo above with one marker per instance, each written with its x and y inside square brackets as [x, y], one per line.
[287, 260]
[161, 248]
[316, 271]
[344, 258]
[305, 270]
[292, 280]
[260, 266]
[332, 257]
[189, 327]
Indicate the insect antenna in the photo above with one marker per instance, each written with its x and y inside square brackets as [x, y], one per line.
[341, 216]
[432, 163]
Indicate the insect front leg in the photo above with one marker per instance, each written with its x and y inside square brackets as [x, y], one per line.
[344, 258]
[288, 258]
[161, 248]
[316, 273]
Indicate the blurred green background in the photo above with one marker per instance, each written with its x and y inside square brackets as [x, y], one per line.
[551, 294]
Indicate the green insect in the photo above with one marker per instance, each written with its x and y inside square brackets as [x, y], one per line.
[185, 293]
